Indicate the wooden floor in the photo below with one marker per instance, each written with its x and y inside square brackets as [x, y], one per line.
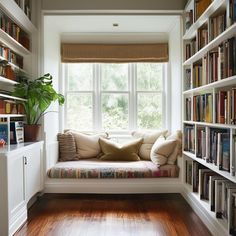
[112, 215]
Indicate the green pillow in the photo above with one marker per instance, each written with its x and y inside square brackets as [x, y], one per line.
[113, 152]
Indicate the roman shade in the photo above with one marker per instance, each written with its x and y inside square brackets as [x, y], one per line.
[114, 53]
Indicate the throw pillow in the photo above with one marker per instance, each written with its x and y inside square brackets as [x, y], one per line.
[114, 152]
[67, 148]
[178, 148]
[161, 150]
[87, 146]
[149, 139]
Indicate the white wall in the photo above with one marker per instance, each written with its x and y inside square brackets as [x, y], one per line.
[113, 4]
[175, 55]
[51, 64]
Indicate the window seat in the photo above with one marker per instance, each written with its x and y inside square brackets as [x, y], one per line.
[97, 169]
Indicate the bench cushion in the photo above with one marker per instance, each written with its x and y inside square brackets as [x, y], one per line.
[95, 168]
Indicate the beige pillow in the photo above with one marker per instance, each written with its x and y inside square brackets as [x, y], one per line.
[161, 150]
[87, 146]
[67, 147]
[149, 139]
[114, 152]
[178, 148]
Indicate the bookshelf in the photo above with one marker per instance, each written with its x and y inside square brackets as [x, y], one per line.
[209, 110]
[21, 163]
[18, 56]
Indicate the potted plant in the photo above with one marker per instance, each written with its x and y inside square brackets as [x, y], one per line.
[39, 94]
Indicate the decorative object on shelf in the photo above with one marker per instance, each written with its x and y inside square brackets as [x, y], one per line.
[39, 94]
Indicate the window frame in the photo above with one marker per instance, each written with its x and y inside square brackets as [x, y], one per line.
[132, 97]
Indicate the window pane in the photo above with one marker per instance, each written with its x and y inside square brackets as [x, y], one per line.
[115, 115]
[149, 111]
[114, 77]
[149, 76]
[80, 76]
[79, 111]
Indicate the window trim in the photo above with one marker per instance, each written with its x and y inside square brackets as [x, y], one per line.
[132, 98]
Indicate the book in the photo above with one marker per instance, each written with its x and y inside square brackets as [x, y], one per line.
[212, 190]
[188, 19]
[195, 167]
[218, 197]
[4, 130]
[16, 132]
[225, 152]
[232, 212]
[203, 182]
[189, 173]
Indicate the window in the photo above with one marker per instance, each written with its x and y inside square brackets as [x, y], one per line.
[114, 97]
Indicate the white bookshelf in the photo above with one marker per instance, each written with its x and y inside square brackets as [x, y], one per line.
[201, 206]
[228, 33]
[30, 56]
[17, 14]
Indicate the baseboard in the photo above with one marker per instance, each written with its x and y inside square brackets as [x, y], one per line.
[113, 186]
[216, 226]
[18, 220]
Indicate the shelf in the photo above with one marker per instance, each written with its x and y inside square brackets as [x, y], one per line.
[7, 81]
[205, 205]
[11, 115]
[228, 33]
[15, 67]
[13, 44]
[218, 84]
[211, 166]
[11, 97]
[191, 32]
[210, 124]
[17, 15]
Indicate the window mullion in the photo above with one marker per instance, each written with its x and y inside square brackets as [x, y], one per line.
[96, 97]
[132, 97]
[66, 76]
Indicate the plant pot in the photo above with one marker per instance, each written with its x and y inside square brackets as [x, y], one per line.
[31, 133]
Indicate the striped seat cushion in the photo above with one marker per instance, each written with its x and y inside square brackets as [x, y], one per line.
[95, 168]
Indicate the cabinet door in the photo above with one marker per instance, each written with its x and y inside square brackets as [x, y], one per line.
[16, 183]
[33, 171]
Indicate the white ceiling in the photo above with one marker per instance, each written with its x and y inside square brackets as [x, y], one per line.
[131, 27]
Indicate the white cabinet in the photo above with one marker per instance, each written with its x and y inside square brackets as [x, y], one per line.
[33, 170]
[20, 179]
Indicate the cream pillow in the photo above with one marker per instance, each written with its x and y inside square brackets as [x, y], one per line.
[178, 148]
[149, 139]
[114, 152]
[161, 150]
[87, 146]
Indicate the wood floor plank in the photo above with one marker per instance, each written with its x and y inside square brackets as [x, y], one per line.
[108, 215]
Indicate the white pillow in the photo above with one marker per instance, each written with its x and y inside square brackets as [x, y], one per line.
[87, 146]
[161, 150]
[149, 139]
[178, 148]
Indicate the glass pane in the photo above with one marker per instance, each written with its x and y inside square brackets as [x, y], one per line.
[79, 111]
[114, 77]
[149, 76]
[149, 111]
[80, 76]
[115, 115]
